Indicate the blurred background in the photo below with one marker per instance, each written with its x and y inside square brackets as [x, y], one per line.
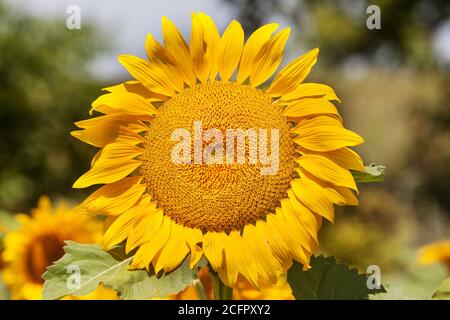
[394, 83]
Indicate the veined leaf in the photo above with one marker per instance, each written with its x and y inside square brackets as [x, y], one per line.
[373, 173]
[443, 292]
[328, 280]
[94, 266]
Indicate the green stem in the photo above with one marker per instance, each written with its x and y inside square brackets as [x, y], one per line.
[220, 291]
[200, 289]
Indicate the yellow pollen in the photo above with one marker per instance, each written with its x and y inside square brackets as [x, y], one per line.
[220, 196]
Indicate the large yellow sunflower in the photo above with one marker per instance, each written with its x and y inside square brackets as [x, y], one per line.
[244, 222]
[39, 241]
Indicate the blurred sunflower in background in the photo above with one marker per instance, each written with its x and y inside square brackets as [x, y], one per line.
[38, 241]
[436, 252]
[246, 224]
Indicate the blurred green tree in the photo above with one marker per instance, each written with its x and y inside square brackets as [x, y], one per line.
[44, 87]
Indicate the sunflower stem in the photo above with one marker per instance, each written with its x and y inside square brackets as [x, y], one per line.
[200, 289]
[220, 290]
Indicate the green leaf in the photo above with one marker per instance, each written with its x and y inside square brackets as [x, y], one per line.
[98, 266]
[373, 173]
[443, 292]
[328, 280]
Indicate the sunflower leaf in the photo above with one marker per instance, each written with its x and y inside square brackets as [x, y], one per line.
[328, 280]
[85, 266]
[443, 292]
[372, 173]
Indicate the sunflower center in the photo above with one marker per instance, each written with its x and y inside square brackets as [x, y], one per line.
[41, 254]
[218, 156]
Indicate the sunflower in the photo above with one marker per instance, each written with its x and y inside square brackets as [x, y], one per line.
[244, 222]
[39, 241]
[436, 252]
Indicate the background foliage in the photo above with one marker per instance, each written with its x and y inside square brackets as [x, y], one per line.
[44, 87]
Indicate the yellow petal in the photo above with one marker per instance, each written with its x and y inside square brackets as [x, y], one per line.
[344, 157]
[247, 264]
[123, 102]
[309, 106]
[280, 248]
[99, 135]
[105, 129]
[118, 231]
[176, 45]
[150, 75]
[198, 49]
[114, 198]
[326, 170]
[310, 90]
[313, 197]
[120, 119]
[156, 52]
[193, 238]
[160, 238]
[251, 48]
[212, 248]
[114, 163]
[310, 221]
[289, 234]
[230, 49]
[341, 196]
[145, 229]
[319, 120]
[302, 235]
[269, 58]
[212, 39]
[326, 137]
[128, 135]
[293, 74]
[134, 86]
[229, 272]
[141, 259]
[165, 60]
[173, 252]
[348, 197]
[266, 264]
